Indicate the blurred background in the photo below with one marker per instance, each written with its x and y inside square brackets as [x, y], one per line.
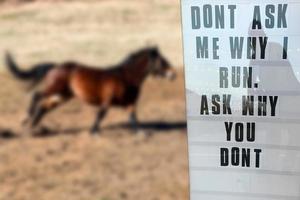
[66, 162]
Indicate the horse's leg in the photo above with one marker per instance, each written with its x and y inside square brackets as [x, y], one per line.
[37, 116]
[34, 100]
[36, 97]
[100, 115]
[47, 104]
[132, 117]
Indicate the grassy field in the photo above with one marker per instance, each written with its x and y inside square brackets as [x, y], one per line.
[96, 32]
[62, 161]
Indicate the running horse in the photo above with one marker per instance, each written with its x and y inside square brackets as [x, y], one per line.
[118, 85]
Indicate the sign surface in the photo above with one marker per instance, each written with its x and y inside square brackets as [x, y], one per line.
[242, 68]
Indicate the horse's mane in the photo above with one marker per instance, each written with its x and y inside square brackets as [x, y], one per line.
[134, 55]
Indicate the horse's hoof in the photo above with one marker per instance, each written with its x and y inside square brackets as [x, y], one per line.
[135, 129]
[95, 132]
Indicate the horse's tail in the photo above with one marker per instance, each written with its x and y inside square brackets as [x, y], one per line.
[35, 74]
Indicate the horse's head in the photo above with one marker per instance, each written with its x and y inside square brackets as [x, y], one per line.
[159, 65]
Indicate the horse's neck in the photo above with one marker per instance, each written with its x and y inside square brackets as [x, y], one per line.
[136, 71]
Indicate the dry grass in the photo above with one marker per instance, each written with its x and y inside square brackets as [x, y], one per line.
[95, 32]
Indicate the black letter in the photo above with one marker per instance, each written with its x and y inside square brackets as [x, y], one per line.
[224, 157]
[228, 127]
[257, 157]
[195, 12]
[204, 105]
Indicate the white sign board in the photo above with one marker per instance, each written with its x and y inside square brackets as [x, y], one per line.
[242, 64]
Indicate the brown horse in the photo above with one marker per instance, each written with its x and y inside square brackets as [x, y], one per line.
[117, 86]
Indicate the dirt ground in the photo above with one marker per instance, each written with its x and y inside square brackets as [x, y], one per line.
[66, 163]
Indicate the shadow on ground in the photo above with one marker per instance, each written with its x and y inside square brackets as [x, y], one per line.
[154, 126]
[7, 134]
